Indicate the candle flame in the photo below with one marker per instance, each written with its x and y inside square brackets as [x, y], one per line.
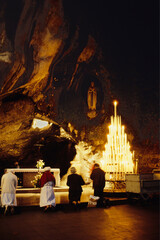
[115, 103]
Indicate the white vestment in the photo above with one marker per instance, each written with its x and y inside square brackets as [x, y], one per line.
[9, 183]
[47, 196]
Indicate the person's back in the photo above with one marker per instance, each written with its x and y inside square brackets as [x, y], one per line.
[47, 196]
[98, 177]
[47, 177]
[9, 183]
[75, 181]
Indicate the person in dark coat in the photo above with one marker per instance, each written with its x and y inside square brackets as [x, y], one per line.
[98, 177]
[75, 181]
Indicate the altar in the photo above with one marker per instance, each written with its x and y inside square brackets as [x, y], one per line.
[28, 175]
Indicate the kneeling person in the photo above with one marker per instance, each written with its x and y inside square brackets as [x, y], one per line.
[47, 182]
[9, 183]
[75, 181]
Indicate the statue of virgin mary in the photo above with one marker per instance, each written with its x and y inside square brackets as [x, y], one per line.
[92, 97]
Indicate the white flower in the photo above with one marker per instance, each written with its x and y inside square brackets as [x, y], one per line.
[40, 164]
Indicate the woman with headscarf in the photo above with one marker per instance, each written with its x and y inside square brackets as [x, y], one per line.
[47, 182]
[75, 181]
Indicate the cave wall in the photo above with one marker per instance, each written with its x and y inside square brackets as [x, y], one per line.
[52, 57]
[47, 62]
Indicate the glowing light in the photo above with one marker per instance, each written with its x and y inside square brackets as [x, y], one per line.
[115, 107]
[37, 123]
[115, 103]
[83, 161]
[64, 134]
[117, 158]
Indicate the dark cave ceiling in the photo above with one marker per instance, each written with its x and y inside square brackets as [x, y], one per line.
[50, 52]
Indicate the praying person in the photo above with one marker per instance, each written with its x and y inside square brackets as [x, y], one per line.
[9, 183]
[98, 177]
[75, 181]
[47, 196]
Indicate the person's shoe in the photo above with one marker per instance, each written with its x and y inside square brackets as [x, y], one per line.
[46, 209]
[12, 210]
[6, 210]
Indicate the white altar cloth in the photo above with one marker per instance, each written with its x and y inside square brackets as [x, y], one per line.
[29, 173]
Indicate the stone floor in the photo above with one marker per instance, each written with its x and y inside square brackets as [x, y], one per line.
[120, 222]
[31, 196]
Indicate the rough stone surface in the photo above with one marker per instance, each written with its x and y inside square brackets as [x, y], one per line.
[47, 64]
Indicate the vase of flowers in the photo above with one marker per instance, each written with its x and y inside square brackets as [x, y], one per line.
[40, 164]
[36, 181]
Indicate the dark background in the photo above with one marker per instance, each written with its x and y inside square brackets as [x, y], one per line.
[128, 33]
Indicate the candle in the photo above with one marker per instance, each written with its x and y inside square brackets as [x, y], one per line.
[117, 149]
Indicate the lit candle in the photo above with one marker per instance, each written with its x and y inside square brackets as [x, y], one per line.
[108, 138]
[112, 120]
[117, 149]
[115, 108]
[125, 141]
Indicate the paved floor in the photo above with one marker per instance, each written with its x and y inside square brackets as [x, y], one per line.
[121, 222]
[31, 196]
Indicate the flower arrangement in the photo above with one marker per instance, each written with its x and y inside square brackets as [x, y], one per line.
[40, 164]
[36, 181]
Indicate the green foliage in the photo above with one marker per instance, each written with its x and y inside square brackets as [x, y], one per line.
[36, 181]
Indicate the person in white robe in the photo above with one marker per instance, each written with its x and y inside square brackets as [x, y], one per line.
[47, 196]
[9, 183]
